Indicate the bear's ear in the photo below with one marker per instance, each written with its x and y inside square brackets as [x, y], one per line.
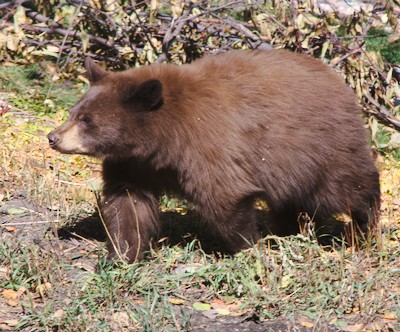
[147, 96]
[94, 71]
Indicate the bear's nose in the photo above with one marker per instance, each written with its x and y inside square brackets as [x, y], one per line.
[53, 139]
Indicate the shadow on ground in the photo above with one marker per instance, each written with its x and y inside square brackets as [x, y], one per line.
[178, 229]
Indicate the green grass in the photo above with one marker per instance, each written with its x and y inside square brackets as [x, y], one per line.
[33, 86]
[379, 41]
[297, 277]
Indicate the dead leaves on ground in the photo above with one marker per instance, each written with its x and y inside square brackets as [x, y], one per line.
[28, 162]
[12, 297]
[214, 308]
[17, 298]
[219, 307]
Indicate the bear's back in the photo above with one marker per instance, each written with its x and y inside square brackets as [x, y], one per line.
[277, 78]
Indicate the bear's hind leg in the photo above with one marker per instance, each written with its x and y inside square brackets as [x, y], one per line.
[236, 229]
[131, 220]
[284, 222]
[365, 220]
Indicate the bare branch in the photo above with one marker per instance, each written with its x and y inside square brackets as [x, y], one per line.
[382, 113]
[254, 40]
[172, 32]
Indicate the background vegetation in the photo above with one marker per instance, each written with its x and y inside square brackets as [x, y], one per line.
[51, 240]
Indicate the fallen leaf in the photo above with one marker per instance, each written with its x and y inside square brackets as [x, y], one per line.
[122, 318]
[11, 229]
[11, 322]
[12, 303]
[59, 313]
[390, 316]
[352, 328]
[175, 300]
[42, 288]
[201, 306]
[21, 291]
[55, 207]
[15, 211]
[223, 312]
[3, 327]
[221, 307]
[9, 294]
[286, 281]
[307, 324]
[218, 304]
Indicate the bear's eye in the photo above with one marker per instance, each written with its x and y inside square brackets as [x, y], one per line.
[86, 119]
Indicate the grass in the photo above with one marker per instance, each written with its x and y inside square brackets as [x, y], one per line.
[53, 277]
[33, 87]
[297, 278]
[380, 42]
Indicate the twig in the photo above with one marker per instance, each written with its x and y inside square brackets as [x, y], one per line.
[272, 18]
[70, 183]
[344, 57]
[212, 10]
[30, 223]
[172, 32]
[255, 41]
[382, 113]
[82, 238]
[55, 28]
[6, 4]
[144, 28]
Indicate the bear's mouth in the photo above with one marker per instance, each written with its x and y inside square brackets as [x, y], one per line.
[53, 140]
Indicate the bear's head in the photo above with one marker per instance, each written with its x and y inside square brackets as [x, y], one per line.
[110, 119]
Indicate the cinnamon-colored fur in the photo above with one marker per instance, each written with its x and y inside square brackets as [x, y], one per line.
[222, 132]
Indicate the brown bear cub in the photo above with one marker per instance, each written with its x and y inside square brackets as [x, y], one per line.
[223, 132]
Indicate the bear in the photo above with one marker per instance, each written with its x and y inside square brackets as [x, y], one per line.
[223, 132]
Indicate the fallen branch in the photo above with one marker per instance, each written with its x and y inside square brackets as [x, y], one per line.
[382, 113]
[172, 32]
[55, 28]
[255, 41]
[24, 223]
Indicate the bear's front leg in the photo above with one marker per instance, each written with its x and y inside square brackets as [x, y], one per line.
[131, 220]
